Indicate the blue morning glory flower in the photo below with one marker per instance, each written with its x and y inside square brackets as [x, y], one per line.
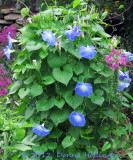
[72, 34]
[124, 80]
[87, 52]
[48, 37]
[129, 56]
[7, 52]
[77, 31]
[83, 89]
[77, 119]
[9, 41]
[40, 130]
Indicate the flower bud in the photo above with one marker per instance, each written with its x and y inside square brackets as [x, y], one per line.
[82, 34]
[114, 42]
[74, 22]
[34, 62]
[69, 27]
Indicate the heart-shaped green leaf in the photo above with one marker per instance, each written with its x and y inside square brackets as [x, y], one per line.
[97, 99]
[63, 76]
[45, 104]
[22, 92]
[73, 101]
[97, 67]
[48, 79]
[59, 116]
[60, 103]
[36, 90]
[54, 60]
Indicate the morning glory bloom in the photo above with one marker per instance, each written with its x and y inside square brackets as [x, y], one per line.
[49, 37]
[10, 41]
[124, 80]
[7, 52]
[129, 56]
[83, 89]
[40, 130]
[77, 119]
[87, 52]
[72, 34]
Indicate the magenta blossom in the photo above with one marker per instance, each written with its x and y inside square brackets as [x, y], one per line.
[115, 59]
[11, 29]
[4, 82]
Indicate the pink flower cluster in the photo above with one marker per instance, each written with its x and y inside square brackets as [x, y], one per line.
[115, 59]
[4, 82]
[1, 54]
[12, 29]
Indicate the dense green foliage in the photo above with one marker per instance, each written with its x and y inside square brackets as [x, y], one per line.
[44, 92]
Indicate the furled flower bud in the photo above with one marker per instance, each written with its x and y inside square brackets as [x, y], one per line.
[114, 42]
[29, 20]
[82, 34]
[34, 62]
[69, 27]
[74, 22]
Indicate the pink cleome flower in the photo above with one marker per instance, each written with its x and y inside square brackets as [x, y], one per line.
[115, 59]
[12, 29]
[4, 82]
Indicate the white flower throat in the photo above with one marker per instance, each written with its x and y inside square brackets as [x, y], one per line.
[83, 88]
[77, 118]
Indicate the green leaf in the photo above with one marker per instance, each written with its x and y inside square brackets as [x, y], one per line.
[29, 112]
[121, 130]
[40, 149]
[106, 73]
[56, 133]
[106, 146]
[54, 60]
[97, 99]
[93, 149]
[51, 145]
[22, 92]
[127, 95]
[76, 3]
[32, 46]
[68, 141]
[36, 90]
[63, 76]
[30, 66]
[45, 104]
[15, 87]
[29, 80]
[97, 67]
[73, 100]
[59, 116]
[22, 147]
[48, 79]
[130, 154]
[121, 6]
[104, 15]
[25, 12]
[60, 103]
[78, 68]
[103, 133]
[20, 134]
[43, 54]
[94, 15]
[97, 39]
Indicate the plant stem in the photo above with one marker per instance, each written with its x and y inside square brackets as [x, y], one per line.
[6, 143]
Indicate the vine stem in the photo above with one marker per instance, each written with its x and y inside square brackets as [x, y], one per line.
[24, 5]
[6, 143]
[91, 38]
[120, 13]
[46, 3]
